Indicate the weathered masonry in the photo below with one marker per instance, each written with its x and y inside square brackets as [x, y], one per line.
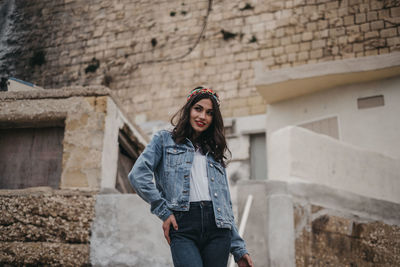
[58, 150]
[153, 56]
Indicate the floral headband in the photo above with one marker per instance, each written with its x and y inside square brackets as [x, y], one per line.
[202, 90]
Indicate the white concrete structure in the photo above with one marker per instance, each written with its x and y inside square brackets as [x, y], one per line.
[298, 154]
[282, 84]
[354, 101]
[376, 129]
[325, 90]
[125, 233]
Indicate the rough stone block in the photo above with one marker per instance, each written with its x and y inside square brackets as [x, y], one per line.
[318, 44]
[361, 18]
[305, 46]
[372, 52]
[388, 32]
[369, 35]
[292, 48]
[278, 51]
[303, 55]
[365, 27]
[307, 36]
[348, 20]
[377, 25]
[383, 14]
[314, 54]
[371, 16]
[394, 41]
[395, 12]
[357, 47]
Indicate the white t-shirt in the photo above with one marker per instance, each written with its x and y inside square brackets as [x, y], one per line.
[198, 179]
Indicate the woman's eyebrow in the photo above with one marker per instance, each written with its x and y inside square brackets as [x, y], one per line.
[203, 107]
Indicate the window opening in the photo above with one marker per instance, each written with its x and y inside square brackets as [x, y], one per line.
[258, 156]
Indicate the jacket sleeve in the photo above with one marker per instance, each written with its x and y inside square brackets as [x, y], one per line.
[238, 246]
[141, 177]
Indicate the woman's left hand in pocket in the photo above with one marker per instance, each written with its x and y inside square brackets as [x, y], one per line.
[166, 226]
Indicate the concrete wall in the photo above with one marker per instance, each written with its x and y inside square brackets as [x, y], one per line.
[304, 224]
[153, 54]
[125, 233]
[298, 154]
[376, 129]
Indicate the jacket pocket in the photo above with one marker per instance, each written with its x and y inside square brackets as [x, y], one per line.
[175, 156]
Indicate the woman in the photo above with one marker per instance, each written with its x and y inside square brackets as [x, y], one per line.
[191, 193]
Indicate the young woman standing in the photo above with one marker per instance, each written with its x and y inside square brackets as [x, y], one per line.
[191, 193]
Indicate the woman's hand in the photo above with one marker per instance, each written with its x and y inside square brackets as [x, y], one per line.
[245, 261]
[166, 226]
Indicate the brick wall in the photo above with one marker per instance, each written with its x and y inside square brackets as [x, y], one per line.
[152, 56]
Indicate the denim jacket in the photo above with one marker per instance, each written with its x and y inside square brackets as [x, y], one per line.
[171, 165]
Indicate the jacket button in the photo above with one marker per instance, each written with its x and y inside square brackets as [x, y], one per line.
[215, 195]
[211, 165]
[219, 209]
[212, 179]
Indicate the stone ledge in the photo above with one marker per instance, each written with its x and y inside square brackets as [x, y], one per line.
[46, 191]
[65, 92]
[281, 84]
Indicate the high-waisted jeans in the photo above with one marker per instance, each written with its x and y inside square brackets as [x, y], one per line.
[198, 242]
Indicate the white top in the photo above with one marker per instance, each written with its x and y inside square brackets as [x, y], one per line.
[198, 179]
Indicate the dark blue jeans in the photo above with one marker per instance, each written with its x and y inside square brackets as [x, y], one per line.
[198, 242]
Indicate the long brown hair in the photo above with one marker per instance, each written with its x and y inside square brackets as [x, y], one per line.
[211, 140]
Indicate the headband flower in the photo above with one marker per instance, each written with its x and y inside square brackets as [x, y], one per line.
[202, 90]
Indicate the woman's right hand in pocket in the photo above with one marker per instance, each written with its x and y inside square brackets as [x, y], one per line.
[167, 225]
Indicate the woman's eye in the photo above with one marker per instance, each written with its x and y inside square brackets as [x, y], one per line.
[197, 108]
[210, 113]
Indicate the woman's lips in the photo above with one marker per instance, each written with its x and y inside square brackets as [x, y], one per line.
[200, 124]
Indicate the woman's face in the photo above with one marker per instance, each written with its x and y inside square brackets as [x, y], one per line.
[201, 116]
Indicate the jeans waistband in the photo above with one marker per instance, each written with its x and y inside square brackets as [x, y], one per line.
[201, 204]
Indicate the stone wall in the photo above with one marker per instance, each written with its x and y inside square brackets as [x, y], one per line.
[39, 226]
[326, 237]
[152, 56]
[84, 120]
[92, 120]
[306, 224]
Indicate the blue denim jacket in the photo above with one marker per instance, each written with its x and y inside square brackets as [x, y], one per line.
[171, 164]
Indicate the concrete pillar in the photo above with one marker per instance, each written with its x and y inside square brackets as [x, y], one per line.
[280, 229]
